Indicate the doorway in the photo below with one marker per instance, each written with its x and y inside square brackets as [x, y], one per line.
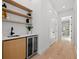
[66, 28]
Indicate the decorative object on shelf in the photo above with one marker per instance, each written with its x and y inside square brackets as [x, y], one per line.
[27, 20]
[4, 5]
[29, 13]
[4, 12]
[29, 28]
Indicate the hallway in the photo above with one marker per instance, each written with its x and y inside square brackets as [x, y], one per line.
[59, 50]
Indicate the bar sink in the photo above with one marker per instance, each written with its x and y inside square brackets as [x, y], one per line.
[14, 36]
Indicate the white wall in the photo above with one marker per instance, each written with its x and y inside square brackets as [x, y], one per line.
[75, 23]
[53, 22]
[43, 28]
[47, 15]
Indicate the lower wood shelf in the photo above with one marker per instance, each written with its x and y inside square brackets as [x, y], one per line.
[13, 21]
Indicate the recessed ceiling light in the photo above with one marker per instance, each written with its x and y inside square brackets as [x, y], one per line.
[64, 6]
[50, 11]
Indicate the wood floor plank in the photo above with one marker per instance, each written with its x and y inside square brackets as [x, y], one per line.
[59, 50]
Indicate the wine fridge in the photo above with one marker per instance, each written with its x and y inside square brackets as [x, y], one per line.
[32, 46]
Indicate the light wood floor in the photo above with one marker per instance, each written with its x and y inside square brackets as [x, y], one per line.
[59, 50]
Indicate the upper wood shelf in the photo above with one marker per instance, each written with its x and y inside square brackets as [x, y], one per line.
[15, 12]
[18, 5]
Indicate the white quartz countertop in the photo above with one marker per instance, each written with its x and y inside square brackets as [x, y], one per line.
[20, 36]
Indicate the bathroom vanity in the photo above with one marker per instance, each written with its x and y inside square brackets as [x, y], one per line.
[21, 47]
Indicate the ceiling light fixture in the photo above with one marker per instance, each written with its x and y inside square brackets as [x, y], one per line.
[64, 6]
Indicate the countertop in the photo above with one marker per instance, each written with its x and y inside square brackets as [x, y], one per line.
[20, 36]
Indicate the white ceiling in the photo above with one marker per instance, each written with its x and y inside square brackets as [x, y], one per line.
[60, 5]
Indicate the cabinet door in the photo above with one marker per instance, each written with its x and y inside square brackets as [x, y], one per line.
[35, 44]
[14, 49]
[30, 46]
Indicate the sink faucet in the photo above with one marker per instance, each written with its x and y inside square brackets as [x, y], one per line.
[11, 33]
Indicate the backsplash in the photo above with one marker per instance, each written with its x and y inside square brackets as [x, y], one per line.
[19, 29]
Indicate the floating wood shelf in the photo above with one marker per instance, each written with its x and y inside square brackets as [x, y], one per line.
[18, 5]
[13, 21]
[6, 20]
[15, 12]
